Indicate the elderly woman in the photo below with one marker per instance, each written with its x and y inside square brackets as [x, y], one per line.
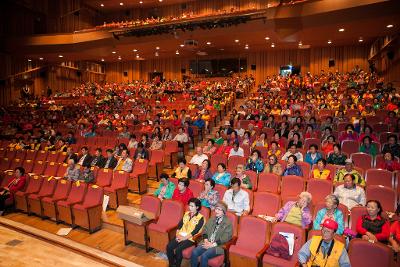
[166, 188]
[273, 166]
[209, 197]
[296, 212]
[372, 226]
[222, 176]
[245, 179]
[255, 163]
[209, 149]
[261, 141]
[327, 145]
[72, 173]
[156, 144]
[321, 172]
[332, 212]
[274, 149]
[390, 163]
[191, 224]
[203, 173]
[337, 157]
[182, 171]
[313, 155]
[296, 141]
[7, 192]
[368, 147]
[292, 168]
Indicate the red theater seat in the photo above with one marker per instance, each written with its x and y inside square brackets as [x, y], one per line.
[367, 254]
[46, 190]
[21, 197]
[49, 203]
[266, 203]
[118, 190]
[138, 177]
[64, 207]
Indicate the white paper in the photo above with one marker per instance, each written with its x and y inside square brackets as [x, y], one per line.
[267, 218]
[64, 231]
[290, 239]
[105, 202]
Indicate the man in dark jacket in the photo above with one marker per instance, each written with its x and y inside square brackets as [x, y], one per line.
[85, 158]
[217, 231]
[98, 160]
[70, 155]
[110, 161]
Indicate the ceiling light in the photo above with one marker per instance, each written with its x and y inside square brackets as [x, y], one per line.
[329, 41]
[236, 41]
[221, 49]
[266, 38]
[40, 58]
[360, 40]
[272, 45]
[140, 2]
[102, 5]
[246, 47]
[60, 56]
[113, 52]
[137, 56]
[182, 45]
[134, 50]
[29, 60]
[177, 52]
[156, 54]
[160, 0]
[121, 4]
[119, 57]
[341, 30]
[208, 43]
[157, 48]
[389, 26]
[102, 59]
[300, 43]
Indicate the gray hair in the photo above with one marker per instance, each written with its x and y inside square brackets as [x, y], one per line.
[334, 199]
[306, 195]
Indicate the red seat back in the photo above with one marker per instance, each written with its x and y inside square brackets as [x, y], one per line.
[386, 196]
[292, 185]
[217, 159]
[319, 189]
[196, 187]
[362, 160]
[38, 167]
[30, 155]
[140, 166]
[35, 182]
[350, 146]
[62, 168]
[171, 213]
[221, 190]
[253, 179]
[51, 169]
[48, 186]
[94, 196]
[306, 168]
[28, 166]
[15, 163]
[380, 177]
[266, 203]
[151, 204]
[120, 179]
[41, 155]
[233, 161]
[62, 189]
[77, 192]
[367, 254]
[170, 147]
[4, 164]
[53, 156]
[157, 156]
[355, 213]
[235, 222]
[253, 233]
[104, 177]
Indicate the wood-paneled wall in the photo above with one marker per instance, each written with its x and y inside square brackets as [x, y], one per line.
[388, 68]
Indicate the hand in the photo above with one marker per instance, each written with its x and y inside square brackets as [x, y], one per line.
[274, 220]
[246, 212]
[365, 237]
[371, 236]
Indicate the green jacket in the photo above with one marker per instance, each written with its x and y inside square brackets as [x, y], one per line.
[170, 190]
[224, 233]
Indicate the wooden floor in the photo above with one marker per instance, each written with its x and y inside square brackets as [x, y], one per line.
[14, 248]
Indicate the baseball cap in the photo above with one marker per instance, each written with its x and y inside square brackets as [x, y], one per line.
[330, 224]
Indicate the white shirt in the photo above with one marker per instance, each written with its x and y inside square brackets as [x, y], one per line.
[239, 203]
[298, 155]
[182, 138]
[239, 152]
[196, 159]
[350, 197]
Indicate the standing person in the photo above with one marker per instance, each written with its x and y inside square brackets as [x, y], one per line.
[324, 250]
[191, 224]
[217, 232]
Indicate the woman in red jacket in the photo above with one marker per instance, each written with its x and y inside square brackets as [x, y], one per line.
[7, 192]
[372, 226]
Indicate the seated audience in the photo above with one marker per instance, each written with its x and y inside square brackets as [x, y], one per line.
[330, 212]
[7, 192]
[324, 250]
[166, 188]
[86, 174]
[209, 149]
[337, 157]
[156, 144]
[296, 212]
[349, 134]
[70, 155]
[321, 172]
[372, 226]
[243, 177]
[274, 149]
[222, 176]
[394, 237]
[255, 163]
[368, 147]
[237, 199]
[199, 157]
[203, 173]
[217, 232]
[98, 160]
[349, 193]
[141, 152]
[181, 137]
[292, 168]
[72, 173]
[273, 166]
[124, 163]
[313, 155]
[85, 157]
[236, 150]
[295, 141]
[209, 197]
[191, 224]
[261, 141]
[349, 169]
[110, 160]
[327, 145]
[392, 146]
[218, 140]
[133, 143]
[182, 171]
[183, 193]
[292, 151]
[390, 163]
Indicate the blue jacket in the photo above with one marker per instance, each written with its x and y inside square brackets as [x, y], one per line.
[257, 166]
[294, 170]
[310, 161]
[224, 179]
[337, 215]
[199, 123]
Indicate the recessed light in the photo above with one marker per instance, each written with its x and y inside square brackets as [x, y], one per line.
[177, 52]
[266, 38]
[160, 0]
[102, 5]
[121, 4]
[272, 45]
[140, 2]
[329, 41]
[40, 58]
[29, 60]
[389, 26]
[300, 43]
[182, 45]
[102, 59]
[119, 58]
[236, 41]
[113, 52]
[341, 30]
[137, 56]
[60, 56]
[156, 54]
[134, 50]
[246, 47]
[360, 40]
[208, 43]
[157, 48]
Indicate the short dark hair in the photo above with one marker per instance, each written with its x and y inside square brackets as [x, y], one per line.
[185, 181]
[322, 160]
[85, 148]
[212, 182]
[222, 165]
[182, 160]
[109, 150]
[294, 158]
[164, 176]
[208, 163]
[99, 149]
[21, 170]
[196, 202]
[211, 140]
[258, 153]
[236, 181]
[314, 146]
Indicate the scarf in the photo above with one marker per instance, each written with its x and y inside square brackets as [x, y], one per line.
[218, 221]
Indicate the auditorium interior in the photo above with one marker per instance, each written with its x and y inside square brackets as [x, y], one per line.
[200, 133]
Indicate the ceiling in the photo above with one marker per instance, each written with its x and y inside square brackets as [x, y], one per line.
[315, 31]
[114, 5]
